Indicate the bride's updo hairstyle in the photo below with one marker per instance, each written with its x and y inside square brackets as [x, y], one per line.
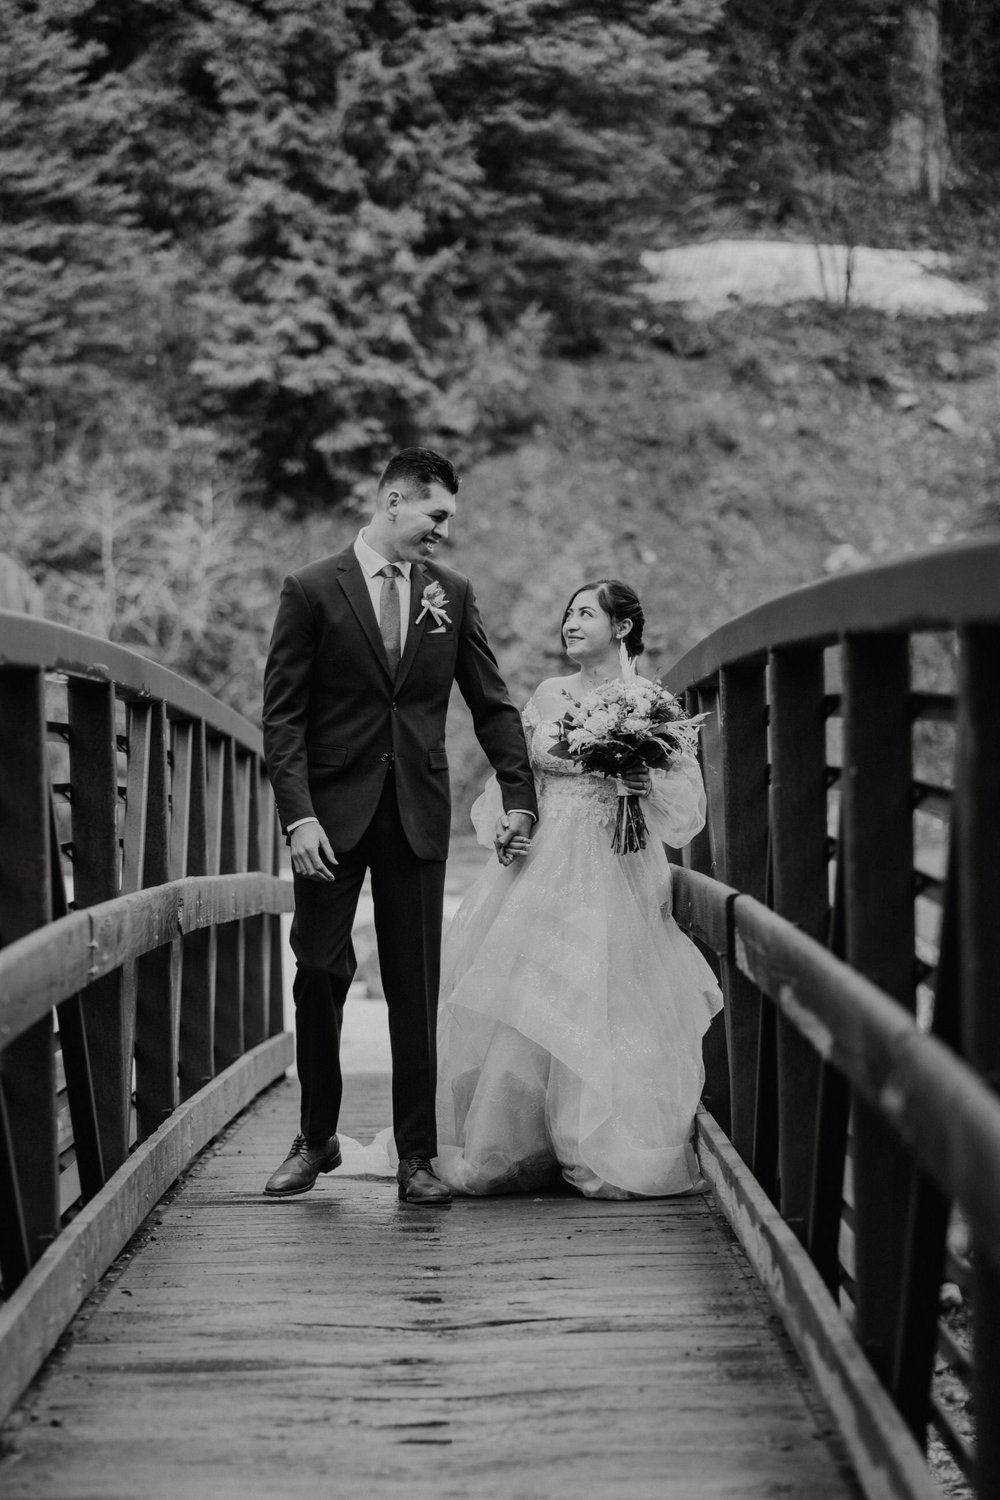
[619, 603]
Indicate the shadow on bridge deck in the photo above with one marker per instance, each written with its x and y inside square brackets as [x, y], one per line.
[344, 1344]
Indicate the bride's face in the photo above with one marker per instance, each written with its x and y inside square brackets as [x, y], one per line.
[588, 630]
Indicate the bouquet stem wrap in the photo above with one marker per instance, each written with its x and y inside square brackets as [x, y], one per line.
[630, 825]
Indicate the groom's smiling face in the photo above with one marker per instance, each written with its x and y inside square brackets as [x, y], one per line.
[418, 523]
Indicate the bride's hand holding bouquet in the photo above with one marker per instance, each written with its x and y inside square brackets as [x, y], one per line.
[625, 728]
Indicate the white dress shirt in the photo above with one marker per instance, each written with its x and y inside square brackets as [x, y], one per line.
[372, 565]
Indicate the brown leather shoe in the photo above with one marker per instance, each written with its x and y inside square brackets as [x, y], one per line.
[302, 1165]
[419, 1183]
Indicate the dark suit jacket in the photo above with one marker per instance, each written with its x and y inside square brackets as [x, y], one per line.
[334, 718]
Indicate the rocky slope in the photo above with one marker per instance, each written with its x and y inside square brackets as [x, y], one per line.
[716, 465]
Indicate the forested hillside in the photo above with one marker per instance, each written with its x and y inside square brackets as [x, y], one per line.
[248, 246]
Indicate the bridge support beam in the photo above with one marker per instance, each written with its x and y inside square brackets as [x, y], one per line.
[978, 838]
[743, 721]
[28, 1076]
[879, 938]
[800, 885]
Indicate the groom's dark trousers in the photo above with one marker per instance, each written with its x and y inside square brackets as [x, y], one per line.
[362, 748]
[408, 895]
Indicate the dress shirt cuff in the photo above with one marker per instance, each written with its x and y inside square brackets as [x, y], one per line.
[299, 822]
[524, 813]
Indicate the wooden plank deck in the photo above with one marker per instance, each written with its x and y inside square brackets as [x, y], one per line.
[342, 1343]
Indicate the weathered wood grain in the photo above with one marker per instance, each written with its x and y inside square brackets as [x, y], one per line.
[887, 1459]
[196, 1042]
[879, 943]
[702, 910]
[944, 1112]
[48, 965]
[979, 904]
[27, 878]
[340, 1342]
[934, 590]
[800, 877]
[94, 774]
[743, 725]
[33, 1318]
[29, 642]
[229, 973]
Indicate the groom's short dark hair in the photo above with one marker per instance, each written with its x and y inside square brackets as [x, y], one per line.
[419, 468]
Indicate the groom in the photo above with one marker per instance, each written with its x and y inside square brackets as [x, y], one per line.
[365, 648]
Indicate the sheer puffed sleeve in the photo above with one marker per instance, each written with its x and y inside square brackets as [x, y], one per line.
[489, 804]
[484, 813]
[675, 808]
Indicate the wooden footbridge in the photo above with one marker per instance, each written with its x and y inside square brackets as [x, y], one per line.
[823, 1321]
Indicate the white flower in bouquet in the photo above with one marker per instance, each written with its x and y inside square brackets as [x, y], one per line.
[599, 721]
[580, 738]
[621, 727]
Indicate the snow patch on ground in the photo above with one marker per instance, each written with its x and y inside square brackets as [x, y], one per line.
[712, 276]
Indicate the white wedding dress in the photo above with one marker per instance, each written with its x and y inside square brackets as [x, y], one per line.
[572, 1005]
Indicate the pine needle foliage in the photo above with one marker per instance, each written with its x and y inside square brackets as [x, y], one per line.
[360, 221]
[72, 253]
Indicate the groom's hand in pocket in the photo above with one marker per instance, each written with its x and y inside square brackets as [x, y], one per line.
[312, 853]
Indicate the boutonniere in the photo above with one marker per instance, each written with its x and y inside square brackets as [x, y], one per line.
[435, 604]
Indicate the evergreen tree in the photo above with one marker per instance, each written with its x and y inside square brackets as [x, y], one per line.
[387, 201]
[589, 122]
[881, 91]
[971, 42]
[313, 179]
[69, 247]
[802, 88]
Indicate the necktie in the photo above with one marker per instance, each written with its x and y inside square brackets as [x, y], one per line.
[388, 615]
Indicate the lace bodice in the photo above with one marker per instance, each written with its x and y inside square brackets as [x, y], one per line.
[541, 734]
[674, 811]
[564, 788]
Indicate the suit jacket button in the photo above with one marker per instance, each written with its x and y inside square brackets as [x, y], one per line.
[394, 707]
[384, 756]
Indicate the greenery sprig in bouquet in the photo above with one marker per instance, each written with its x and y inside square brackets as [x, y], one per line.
[620, 727]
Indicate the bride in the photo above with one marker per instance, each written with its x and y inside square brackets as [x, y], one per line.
[572, 1006]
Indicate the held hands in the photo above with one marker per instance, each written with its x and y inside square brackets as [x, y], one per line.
[312, 854]
[512, 838]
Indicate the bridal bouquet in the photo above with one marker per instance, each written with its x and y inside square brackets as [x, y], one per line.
[620, 727]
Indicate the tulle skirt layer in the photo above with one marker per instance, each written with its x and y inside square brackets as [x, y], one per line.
[572, 1013]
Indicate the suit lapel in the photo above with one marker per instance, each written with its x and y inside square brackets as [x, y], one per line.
[354, 584]
[414, 632]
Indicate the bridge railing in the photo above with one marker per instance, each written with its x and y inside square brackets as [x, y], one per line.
[140, 955]
[848, 884]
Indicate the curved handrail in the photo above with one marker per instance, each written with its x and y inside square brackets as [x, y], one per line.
[940, 1112]
[133, 1026]
[28, 641]
[135, 797]
[935, 1103]
[54, 962]
[933, 590]
[850, 766]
